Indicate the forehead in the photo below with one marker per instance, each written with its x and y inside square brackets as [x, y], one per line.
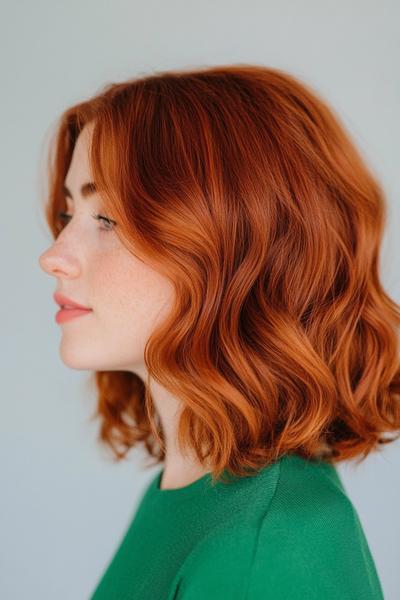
[79, 173]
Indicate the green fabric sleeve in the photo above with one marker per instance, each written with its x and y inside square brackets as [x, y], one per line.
[319, 553]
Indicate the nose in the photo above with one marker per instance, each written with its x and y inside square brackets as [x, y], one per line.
[55, 261]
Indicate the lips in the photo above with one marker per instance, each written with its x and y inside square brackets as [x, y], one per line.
[66, 303]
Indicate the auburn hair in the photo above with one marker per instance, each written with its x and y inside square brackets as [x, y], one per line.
[243, 187]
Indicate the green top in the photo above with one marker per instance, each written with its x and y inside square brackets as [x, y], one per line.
[290, 532]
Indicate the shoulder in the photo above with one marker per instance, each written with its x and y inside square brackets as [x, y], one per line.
[311, 542]
[308, 543]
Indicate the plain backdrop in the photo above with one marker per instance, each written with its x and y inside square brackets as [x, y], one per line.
[64, 504]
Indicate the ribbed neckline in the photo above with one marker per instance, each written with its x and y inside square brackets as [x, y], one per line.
[204, 482]
[199, 487]
[204, 485]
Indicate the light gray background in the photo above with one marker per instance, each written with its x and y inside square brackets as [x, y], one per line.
[63, 504]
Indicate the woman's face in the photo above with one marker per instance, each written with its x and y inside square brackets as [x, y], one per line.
[93, 268]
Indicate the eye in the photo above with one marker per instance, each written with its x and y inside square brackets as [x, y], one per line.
[63, 218]
[106, 220]
[110, 223]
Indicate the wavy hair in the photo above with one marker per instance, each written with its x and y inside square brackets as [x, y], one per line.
[242, 186]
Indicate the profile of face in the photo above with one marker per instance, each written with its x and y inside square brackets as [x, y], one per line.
[93, 268]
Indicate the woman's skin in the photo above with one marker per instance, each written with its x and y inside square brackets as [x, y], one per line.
[127, 297]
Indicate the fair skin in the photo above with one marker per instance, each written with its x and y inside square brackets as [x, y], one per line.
[127, 297]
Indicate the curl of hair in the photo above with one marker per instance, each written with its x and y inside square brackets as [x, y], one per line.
[242, 186]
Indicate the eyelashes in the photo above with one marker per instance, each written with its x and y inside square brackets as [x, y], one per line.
[65, 218]
[109, 222]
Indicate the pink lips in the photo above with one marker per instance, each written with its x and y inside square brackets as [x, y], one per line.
[70, 309]
[64, 301]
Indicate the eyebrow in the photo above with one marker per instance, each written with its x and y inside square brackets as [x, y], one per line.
[87, 189]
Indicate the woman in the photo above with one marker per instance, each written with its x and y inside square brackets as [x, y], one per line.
[235, 323]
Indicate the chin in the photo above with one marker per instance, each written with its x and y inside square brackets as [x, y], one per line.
[74, 362]
[90, 354]
[75, 356]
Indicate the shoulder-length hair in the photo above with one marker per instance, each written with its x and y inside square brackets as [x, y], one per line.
[242, 186]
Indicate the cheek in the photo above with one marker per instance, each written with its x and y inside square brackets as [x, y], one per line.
[127, 291]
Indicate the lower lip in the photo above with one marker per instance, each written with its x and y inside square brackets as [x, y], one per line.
[65, 314]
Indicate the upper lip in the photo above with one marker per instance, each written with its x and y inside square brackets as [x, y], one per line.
[64, 301]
